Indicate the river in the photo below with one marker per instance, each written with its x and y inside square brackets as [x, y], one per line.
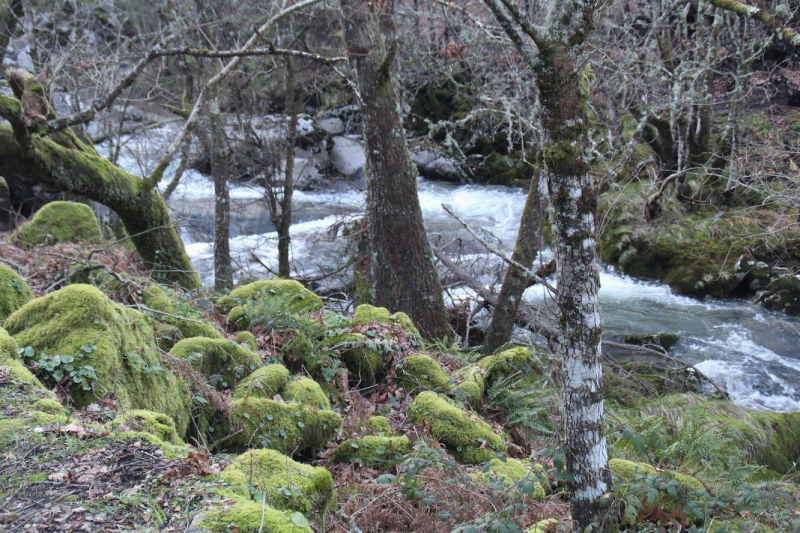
[753, 353]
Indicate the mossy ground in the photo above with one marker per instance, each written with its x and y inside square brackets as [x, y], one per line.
[14, 292]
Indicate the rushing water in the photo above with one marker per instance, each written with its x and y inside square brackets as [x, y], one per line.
[753, 353]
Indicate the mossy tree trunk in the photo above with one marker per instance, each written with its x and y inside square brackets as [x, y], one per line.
[515, 281]
[555, 53]
[65, 162]
[404, 276]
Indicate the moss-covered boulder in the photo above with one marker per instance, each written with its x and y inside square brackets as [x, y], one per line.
[141, 420]
[782, 294]
[16, 371]
[374, 451]
[470, 385]
[247, 339]
[222, 361]
[507, 362]
[275, 296]
[170, 311]
[306, 391]
[103, 338]
[547, 525]
[365, 362]
[284, 483]
[59, 222]
[524, 477]
[247, 516]
[366, 314]
[421, 372]
[466, 435]
[14, 292]
[265, 382]
[655, 340]
[283, 426]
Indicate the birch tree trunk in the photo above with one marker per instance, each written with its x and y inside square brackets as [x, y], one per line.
[556, 56]
[223, 273]
[404, 276]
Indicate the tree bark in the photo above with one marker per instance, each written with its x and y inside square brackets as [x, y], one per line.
[404, 276]
[66, 163]
[285, 219]
[10, 13]
[223, 273]
[515, 281]
[557, 59]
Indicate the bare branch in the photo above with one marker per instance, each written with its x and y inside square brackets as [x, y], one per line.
[788, 35]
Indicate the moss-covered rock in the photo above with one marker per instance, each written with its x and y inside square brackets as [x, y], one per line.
[50, 406]
[379, 425]
[365, 365]
[116, 342]
[507, 362]
[17, 372]
[138, 420]
[543, 526]
[224, 362]
[14, 292]
[366, 314]
[421, 372]
[188, 320]
[286, 427]
[265, 382]
[287, 296]
[247, 339]
[657, 340]
[59, 222]
[380, 451]
[470, 385]
[782, 294]
[306, 391]
[467, 436]
[509, 472]
[246, 516]
[284, 483]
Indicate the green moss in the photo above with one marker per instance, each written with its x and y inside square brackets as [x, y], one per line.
[380, 425]
[158, 424]
[630, 470]
[14, 292]
[366, 314]
[738, 525]
[306, 391]
[251, 517]
[189, 321]
[505, 363]
[17, 371]
[472, 385]
[59, 222]
[508, 472]
[265, 382]
[372, 451]
[286, 427]
[284, 483]
[223, 361]
[469, 438]
[49, 405]
[543, 526]
[294, 298]
[247, 339]
[366, 366]
[117, 342]
[420, 371]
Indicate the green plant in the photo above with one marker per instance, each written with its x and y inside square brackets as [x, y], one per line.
[62, 368]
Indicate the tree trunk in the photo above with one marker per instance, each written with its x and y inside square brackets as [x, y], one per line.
[574, 202]
[68, 164]
[10, 13]
[515, 281]
[217, 149]
[285, 220]
[404, 275]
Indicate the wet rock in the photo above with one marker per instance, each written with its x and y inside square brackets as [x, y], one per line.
[782, 294]
[348, 157]
[436, 166]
